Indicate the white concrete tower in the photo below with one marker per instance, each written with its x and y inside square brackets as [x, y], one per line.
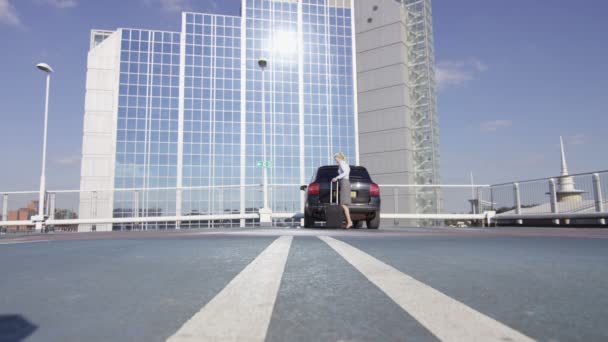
[566, 191]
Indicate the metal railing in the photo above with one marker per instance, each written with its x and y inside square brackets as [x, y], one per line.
[578, 199]
[221, 206]
[455, 204]
[24, 205]
[139, 208]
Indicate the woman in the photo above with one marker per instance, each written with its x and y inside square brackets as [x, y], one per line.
[343, 174]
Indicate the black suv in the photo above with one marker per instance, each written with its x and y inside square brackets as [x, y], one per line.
[365, 197]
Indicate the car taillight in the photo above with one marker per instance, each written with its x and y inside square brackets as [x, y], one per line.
[374, 189]
[313, 189]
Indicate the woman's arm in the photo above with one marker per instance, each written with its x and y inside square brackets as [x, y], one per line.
[345, 171]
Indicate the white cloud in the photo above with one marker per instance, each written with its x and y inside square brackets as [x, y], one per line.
[455, 73]
[68, 160]
[61, 3]
[181, 5]
[533, 159]
[8, 14]
[577, 139]
[212, 4]
[493, 126]
[170, 5]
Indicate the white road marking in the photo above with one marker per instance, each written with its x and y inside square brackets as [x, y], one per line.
[243, 309]
[447, 318]
[15, 242]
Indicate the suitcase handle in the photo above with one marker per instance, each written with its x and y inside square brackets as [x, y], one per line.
[331, 192]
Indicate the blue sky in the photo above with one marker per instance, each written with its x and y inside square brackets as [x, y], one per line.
[513, 76]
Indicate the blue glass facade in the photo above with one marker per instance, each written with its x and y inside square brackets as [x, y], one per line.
[310, 74]
[147, 122]
[272, 33]
[329, 104]
[190, 107]
[212, 110]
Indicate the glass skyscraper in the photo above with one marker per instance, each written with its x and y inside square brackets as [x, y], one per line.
[174, 120]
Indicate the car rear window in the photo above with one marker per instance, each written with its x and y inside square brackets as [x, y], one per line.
[356, 173]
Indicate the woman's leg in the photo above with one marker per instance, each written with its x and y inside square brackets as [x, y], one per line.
[349, 222]
[345, 200]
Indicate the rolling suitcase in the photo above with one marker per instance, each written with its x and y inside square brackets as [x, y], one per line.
[334, 216]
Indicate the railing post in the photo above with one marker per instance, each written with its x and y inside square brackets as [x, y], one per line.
[474, 202]
[396, 204]
[178, 207]
[135, 209]
[517, 203]
[93, 204]
[492, 198]
[597, 194]
[479, 200]
[221, 200]
[52, 197]
[553, 199]
[94, 209]
[5, 207]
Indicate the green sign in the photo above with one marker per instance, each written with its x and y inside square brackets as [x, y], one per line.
[263, 164]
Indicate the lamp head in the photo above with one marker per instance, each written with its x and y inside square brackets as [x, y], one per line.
[262, 62]
[44, 67]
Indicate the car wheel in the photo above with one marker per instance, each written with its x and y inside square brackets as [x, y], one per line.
[374, 223]
[309, 222]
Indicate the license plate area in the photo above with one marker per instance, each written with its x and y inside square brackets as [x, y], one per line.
[353, 194]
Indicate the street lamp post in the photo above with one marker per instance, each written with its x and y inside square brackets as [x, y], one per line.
[40, 217]
[265, 212]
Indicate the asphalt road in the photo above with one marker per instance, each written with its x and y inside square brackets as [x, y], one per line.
[306, 285]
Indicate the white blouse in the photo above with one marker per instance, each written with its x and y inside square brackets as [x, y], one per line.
[343, 170]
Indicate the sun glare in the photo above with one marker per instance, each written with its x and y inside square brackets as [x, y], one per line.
[285, 43]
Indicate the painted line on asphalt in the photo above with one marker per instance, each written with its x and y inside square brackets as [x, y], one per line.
[21, 242]
[445, 317]
[243, 309]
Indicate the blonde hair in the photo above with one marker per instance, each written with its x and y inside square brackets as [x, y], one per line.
[340, 156]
